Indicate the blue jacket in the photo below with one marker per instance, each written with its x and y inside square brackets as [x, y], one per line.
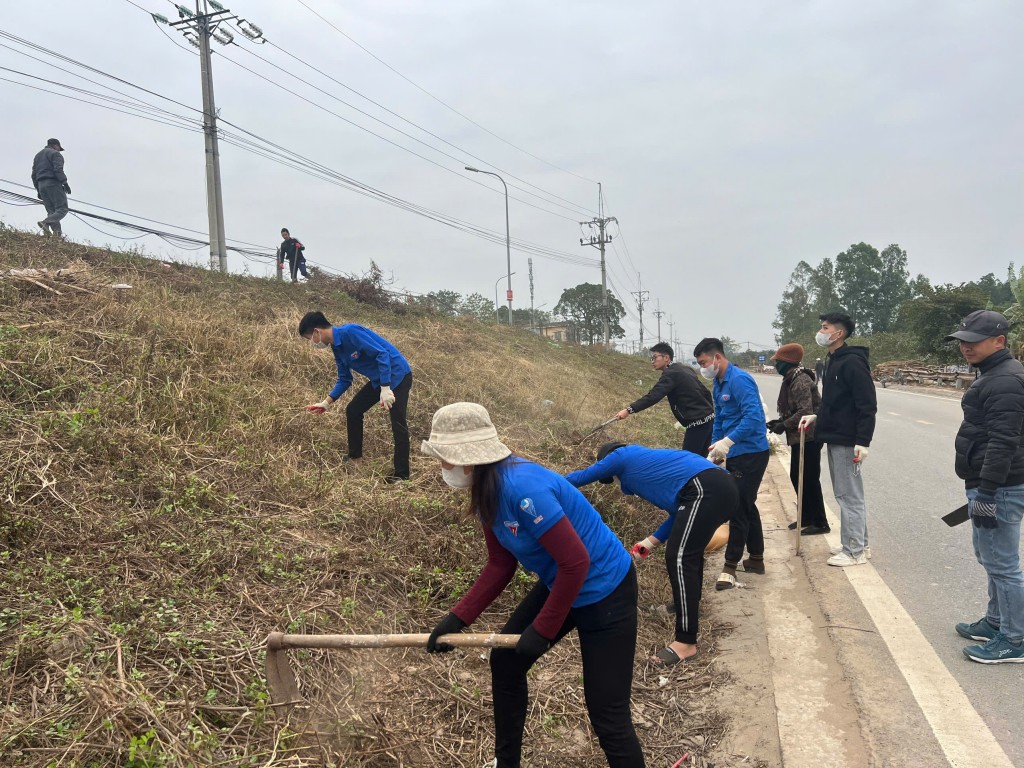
[656, 475]
[361, 350]
[739, 414]
[533, 499]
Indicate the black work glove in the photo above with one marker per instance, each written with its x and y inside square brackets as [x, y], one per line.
[449, 625]
[982, 510]
[532, 643]
[776, 426]
[67, 188]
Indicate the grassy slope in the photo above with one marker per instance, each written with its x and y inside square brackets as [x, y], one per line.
[166, 501]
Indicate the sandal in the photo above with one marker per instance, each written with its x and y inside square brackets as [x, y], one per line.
[725, 581]
[666, 658]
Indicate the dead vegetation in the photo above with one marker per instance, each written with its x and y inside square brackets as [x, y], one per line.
[166, 502]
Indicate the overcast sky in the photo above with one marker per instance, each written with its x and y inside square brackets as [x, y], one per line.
[732, 139]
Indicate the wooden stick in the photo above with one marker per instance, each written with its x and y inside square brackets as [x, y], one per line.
[279, 641]
[800, 492]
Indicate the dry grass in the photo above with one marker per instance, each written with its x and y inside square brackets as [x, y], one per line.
[166, 502]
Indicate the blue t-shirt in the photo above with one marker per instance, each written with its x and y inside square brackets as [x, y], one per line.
[361, 350]
[532, 500]
[656, 475]
[739, 414]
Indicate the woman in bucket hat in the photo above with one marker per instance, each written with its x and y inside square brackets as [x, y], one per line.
[586, 581]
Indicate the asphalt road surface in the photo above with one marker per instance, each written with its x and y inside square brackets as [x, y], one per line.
[909, 484]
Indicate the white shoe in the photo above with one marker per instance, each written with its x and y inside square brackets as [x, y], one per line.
[837, 550]
[842, 560]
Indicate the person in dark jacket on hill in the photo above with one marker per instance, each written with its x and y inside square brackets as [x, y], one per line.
[359, 349]
[698, 497]
[690, 401]
[291, 249]
[51, 185]
[798, 397]
[990, 461]
[845, 422]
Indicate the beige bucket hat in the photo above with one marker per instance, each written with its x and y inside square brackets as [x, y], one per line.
[462, 434]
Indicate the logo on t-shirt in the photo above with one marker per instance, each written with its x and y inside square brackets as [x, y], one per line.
[355, 355]
[513, 526]
[726, 398]
[529, 508]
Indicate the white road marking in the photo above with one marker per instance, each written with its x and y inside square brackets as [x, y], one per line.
[961, 732]
[893, 413]
[921, 394]
[922, 421]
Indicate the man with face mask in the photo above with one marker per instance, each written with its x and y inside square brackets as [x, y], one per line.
[359, 349]
[741, 443]
[845, 423]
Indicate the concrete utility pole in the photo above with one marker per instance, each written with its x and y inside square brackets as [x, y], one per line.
[659, 314]
[198, 28]
[529, 263]
[641, 297]
[601, 222]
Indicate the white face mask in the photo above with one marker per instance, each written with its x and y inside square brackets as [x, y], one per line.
[710, 372]
[823, 339]
[318, 344]
[456, 477]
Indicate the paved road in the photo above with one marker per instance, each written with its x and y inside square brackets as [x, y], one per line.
[909, 484]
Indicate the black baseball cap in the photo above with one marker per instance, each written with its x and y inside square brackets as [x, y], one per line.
[604, 450]
[51, 142]
[980, 325]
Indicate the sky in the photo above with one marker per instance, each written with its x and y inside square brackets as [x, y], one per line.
[731, 140]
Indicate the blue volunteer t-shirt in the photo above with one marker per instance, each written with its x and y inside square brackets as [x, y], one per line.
[359, 349]
[656, 475]
[739, 414]
[532, 500]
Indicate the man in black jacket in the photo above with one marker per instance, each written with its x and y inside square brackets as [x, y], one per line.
[292, 249]
[990, 460]
[51, 185]
[845, 422]
[689, 399]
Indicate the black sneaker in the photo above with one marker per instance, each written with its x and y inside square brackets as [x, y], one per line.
[815, 530]
[753, 566]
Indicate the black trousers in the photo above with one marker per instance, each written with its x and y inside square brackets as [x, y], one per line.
[698, 439]
[707, 501]
[607, 632]
[365, 399]
[296, 265]
[814, 504]
[745, 524]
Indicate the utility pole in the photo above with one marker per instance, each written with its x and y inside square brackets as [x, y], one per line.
[199, 28]
[601, 222]
[533, 318]
[641, 297]
[659, 314]
[672, 333]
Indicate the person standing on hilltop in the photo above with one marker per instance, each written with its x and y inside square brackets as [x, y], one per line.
[292, 250]
[359, 349]
[689, 400]
[51, 186]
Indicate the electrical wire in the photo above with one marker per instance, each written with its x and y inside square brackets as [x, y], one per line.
[439, 101]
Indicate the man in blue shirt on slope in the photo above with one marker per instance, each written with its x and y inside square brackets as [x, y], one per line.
[740, 442]
[359, 349]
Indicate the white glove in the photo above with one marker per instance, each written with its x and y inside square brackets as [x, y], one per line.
[806, 422]
[643, 548]
[320, 407]
[387, 398]
[859, 454]
[720, 450]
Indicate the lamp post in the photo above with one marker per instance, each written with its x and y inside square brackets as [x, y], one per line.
[508, 244]
[509, 276]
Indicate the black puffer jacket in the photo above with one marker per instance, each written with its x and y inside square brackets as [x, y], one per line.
[848, 404]
[990, 441]
[689, 399]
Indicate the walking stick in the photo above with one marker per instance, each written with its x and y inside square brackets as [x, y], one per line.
[800, 492]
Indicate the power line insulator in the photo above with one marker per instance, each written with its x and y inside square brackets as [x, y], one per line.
[215, 5]
[160, 19]
[250, 30]
[184, 12]
[193, 38]
[223, 37]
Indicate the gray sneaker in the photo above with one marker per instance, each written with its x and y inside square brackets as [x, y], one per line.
[980, 630]
[837, 550]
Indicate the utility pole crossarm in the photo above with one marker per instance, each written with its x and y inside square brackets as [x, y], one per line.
[601, 222]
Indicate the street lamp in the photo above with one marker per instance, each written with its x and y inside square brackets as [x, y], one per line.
[508, 243]
[509, 276]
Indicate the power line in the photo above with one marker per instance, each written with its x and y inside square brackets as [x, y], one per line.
[440, 101]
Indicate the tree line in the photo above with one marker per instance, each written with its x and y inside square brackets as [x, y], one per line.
[897, 317]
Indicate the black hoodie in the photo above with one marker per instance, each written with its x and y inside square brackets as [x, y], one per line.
[848, 404]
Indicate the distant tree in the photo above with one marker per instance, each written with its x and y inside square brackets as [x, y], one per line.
[582, 305]
[858, 275]
[824, 293]
[730, 347]
[933, 316]
[1015, 312]
[892, 290]
[478, 306]
[1000, 293]
[445, 302]
[793, 317]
